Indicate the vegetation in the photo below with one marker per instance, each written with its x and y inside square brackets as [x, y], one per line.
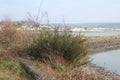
[11, 69]
[60, 55]
[11, 42]
[73, 73]
[49, 44]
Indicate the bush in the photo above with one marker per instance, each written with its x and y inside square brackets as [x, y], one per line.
[64, 44]
[8, 35]
[13, 40]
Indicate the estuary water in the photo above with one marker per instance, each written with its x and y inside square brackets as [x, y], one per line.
[109, 60]
[109, 33]
[95, 25]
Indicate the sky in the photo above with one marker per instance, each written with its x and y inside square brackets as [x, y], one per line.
[72, 11]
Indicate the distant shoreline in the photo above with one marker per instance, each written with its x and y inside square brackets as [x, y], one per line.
[93, 29]
[102, 44]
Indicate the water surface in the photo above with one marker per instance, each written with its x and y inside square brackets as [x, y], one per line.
[109, 33]
[109, 60]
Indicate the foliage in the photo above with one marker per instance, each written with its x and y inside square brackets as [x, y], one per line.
[9, 66]
[64, 44]
[44, 45]
[13, 40]
[7, 35]
[60, 68]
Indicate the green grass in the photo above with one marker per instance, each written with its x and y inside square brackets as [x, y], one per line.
[12, 70]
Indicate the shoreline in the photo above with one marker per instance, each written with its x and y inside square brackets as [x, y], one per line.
[102, 44]
[101, 72]
[91, 71]
[111, 48]
[73, 29]
[93, 29]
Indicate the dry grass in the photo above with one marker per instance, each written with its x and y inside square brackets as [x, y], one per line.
[45, 46]
[12, 43]
[72, 72]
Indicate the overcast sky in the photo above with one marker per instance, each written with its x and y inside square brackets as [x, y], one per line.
[74, 11]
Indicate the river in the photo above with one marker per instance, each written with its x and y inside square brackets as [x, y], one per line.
[109, 60]
[108, 33]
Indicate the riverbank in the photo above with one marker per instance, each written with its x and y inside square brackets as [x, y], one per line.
[100, 72]
[102, 44]
[58, 56]
[98, 44]
[86, 72]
